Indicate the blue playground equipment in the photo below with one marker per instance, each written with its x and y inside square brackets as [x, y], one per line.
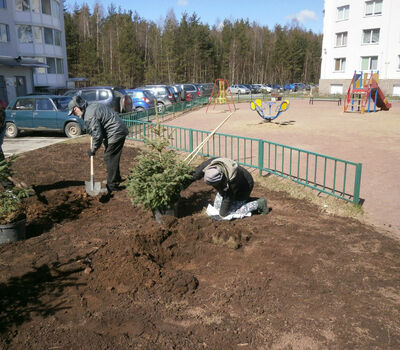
[261, 108]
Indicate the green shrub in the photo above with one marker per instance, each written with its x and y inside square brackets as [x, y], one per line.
[158, 176]
[11, 198]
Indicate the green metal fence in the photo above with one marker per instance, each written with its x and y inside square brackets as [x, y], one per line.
[163, 112]
[335, 177]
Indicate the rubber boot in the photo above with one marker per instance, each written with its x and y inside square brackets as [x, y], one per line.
[262, 206]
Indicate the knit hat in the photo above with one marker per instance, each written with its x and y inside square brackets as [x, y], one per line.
[213, 174]
[77, 101]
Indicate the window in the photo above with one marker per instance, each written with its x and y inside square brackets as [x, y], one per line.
[22, 5]
[46, 8]
[3, 4]
[89, 95]
[340, 64]
[60, 66]
[48, 36]
[55, 8]
[24, 33]
[37, 34]
[24, 104]
[371, 36]
[44, 104]
[51, 62]
[341, 39]
[4, 33]
[373, 8]
[57, 37]
[35, 6]
[343, 13]
[369, 63]
[103, 95]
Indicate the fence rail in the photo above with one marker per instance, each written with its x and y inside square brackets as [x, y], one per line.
[333, 176]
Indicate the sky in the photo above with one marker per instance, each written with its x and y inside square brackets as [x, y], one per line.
[308, 13]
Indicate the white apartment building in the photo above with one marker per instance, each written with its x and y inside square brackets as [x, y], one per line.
[360, 35]
[32, 47]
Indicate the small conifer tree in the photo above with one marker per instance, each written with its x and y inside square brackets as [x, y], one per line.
[158, 176]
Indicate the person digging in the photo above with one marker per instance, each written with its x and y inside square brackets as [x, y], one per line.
[103, 125]
[233, 184]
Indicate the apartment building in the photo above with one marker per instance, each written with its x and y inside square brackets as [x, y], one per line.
[32, 47]
[360, 35]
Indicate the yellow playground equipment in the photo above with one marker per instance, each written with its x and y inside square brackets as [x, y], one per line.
[219, 94]
[271, 114]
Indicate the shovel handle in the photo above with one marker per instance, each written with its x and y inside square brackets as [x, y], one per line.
[91, 166]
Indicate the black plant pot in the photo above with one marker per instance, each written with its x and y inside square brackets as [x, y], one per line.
[12, 232]
[160, 213]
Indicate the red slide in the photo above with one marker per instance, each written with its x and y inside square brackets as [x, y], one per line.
[381, 100]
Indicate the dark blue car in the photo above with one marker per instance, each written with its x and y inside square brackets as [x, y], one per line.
[42, 112]
[141, 99]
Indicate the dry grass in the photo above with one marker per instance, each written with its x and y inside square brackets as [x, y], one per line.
[326, 203]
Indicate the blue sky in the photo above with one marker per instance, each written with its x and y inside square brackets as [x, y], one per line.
[265, 12]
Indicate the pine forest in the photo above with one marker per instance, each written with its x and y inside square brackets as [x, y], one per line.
[115, 47]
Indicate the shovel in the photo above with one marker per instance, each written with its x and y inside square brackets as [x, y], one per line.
[92, 188]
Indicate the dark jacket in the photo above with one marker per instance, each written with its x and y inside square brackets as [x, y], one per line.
[236, 189]
[102, 123]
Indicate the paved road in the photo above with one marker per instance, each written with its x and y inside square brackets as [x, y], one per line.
[30, 142]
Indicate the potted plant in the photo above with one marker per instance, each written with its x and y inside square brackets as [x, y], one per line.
[12, 213]
[157, 178]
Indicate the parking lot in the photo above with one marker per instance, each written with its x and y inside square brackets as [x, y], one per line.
[30, 141]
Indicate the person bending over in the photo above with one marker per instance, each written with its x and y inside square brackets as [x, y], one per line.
[233, 184]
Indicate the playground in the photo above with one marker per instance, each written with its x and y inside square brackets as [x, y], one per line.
[370, 138]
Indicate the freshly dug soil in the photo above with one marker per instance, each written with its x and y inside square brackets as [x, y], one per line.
[95, 275]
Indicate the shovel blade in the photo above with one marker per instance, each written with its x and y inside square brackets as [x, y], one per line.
[92, 188]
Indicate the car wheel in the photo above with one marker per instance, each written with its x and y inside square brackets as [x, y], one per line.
[73, 129]
[139, 109]
[160, 107]
[11, 130]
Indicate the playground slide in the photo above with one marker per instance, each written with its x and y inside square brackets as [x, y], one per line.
[381, 101]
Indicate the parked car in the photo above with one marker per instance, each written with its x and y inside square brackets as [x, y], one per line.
[115, 98]
[290, 87]
[239, 89]
[177, 92]
[192, 89]
[163, 95]
[277, 87]
[205, 89]
[253, 89]
[42, 112]
[141, 99]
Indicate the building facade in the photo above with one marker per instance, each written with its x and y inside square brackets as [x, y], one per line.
[360, 35]
[32, 47]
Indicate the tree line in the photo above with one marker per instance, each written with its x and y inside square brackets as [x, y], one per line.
[121, 48]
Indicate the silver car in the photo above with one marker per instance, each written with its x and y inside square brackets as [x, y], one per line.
[239, 89]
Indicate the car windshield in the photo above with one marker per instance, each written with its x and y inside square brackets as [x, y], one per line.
[62, 102]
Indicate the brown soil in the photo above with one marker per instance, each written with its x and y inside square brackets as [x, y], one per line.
[97, 275]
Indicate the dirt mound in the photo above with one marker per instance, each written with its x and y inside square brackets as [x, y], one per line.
[106, 275]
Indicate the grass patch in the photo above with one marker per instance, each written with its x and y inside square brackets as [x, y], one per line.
[325, 202]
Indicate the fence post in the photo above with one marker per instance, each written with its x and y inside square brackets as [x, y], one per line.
[260, 156]
[357, 184]
[144, 132]
[191, 140]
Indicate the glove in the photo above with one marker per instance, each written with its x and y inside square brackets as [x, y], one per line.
[91, 152]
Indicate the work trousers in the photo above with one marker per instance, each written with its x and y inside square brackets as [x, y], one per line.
[112, 156]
